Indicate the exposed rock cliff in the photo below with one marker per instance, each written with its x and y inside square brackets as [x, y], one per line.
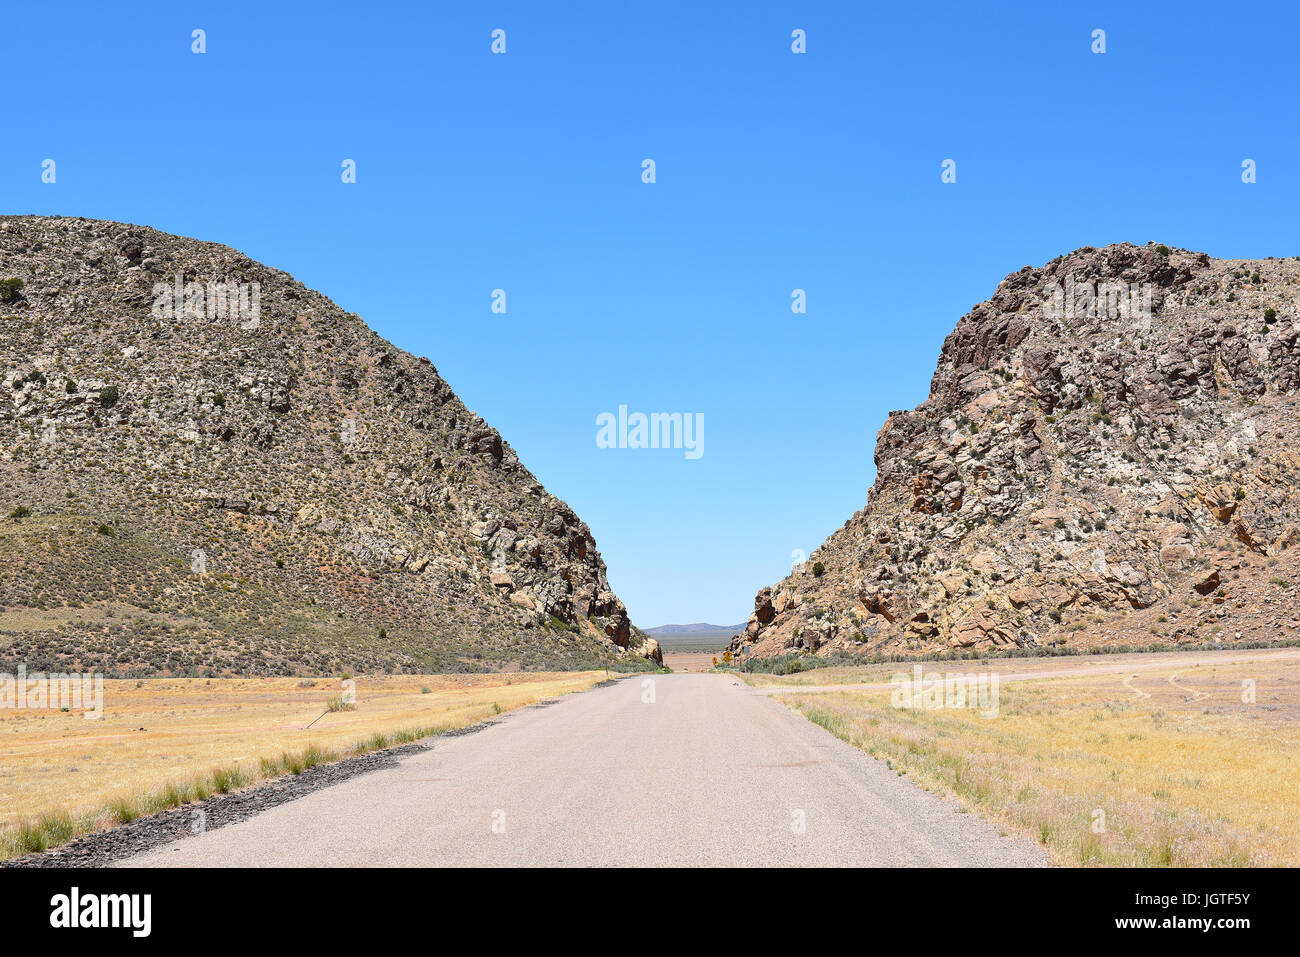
[1111, 432]
[245, 478]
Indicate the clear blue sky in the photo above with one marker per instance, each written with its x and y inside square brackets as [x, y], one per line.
[775, 171]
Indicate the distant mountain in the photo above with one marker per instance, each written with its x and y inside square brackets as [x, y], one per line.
[699, 628]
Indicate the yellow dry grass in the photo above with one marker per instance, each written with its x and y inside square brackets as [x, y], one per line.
[170, 731]
[1185, 772]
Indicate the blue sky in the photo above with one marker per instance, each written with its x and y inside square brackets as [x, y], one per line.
[775, 171]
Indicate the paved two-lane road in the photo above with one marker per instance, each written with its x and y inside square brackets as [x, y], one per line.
[709, 773]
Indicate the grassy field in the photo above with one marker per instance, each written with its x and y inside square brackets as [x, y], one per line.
[163, 741]
[1155, 760]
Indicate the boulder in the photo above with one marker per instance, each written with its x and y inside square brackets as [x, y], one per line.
[1207, 583]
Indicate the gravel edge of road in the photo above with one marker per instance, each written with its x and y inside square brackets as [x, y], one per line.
[101, 848]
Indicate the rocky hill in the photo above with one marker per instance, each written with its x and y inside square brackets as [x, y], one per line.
[207, 468]
[1108, 455]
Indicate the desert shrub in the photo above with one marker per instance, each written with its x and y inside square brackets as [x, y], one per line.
[225, 780]
[123, 811]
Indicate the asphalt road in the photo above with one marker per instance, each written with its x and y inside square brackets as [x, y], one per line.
[706, 773]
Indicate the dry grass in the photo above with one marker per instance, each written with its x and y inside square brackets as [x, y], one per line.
[1186, 773]
[164, 742]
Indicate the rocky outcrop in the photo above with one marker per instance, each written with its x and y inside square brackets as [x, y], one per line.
[281, 489]
[1102, 436]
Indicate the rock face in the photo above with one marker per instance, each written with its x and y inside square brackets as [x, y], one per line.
[245, 478]
[1109, 433]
